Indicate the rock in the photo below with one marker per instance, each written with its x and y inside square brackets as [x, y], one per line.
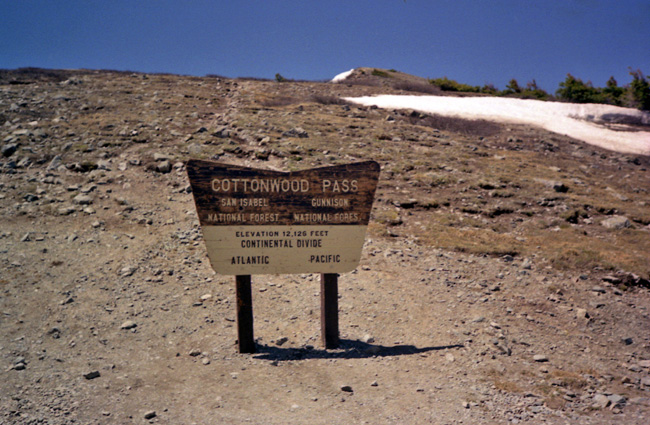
[104, 164]
[129, 324]
[92, 375]
[281, 341]
[127, 271]
[9, 149]
[55, 163]
[30, 197]
[346, 388]
[540, 358]
[164, 167]
[627, 341]
[67, 210]
[374, 384]
[205, 361]
[296, 132]
[555, 185]
[645, 382]
[82, 200]
[617, 401]
[150, 415]
[195, 352]
[160, 157]
[367, 339]
[582, 313]
[601, 401]
[616, 223]
[25, 238]
[222, 133]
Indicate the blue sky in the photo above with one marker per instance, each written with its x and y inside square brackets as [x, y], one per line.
[472, 41]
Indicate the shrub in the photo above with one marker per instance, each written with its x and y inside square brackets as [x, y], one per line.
[572, 89]
[446, 84]
[380, 73]
[613, 94]
[640, 91]
[280, 79]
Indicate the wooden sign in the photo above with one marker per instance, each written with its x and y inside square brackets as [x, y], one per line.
[266, 222]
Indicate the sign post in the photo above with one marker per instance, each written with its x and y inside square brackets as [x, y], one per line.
[268, 222]
[329, 307]
[244, 297]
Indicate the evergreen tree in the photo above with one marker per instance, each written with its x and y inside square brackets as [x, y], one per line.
[640, 90]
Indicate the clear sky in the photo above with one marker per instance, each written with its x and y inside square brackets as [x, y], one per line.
[471, 41]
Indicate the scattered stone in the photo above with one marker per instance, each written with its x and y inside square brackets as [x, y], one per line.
[67, 210]
[195, 352]
[127, 271]
[205, 361]
[645, 382]
[9, 149]
[346, 388]
[82, 200]
[601, 401]
[616, 400]
[296, 132]
[367, 339]
[616, 223]
[129, 324]
[374, 384]
[627, 341]
[92, 375]
[222, 133]
[281, 341]
[55, 163]
[164, 167]
[540, 358]
[582, 313]
[150, 415]
[25, 238]
[104, 164]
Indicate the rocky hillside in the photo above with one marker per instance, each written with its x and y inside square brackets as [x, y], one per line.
[504, 277]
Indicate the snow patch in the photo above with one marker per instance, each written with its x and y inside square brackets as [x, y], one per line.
[342, 76]
[579, 121]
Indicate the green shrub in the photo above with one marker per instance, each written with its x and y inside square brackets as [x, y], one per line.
[452, 85]
[380, 73]
[572, 89]
[640, 91]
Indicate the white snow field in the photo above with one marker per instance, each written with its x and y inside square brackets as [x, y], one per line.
[580, 121]
[342, 76]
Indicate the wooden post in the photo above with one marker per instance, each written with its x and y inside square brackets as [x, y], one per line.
[329, 306]
[245, 314]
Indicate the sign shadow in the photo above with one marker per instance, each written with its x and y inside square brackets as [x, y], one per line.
[348, 349]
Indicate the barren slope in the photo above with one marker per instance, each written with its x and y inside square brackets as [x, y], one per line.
[489, 292]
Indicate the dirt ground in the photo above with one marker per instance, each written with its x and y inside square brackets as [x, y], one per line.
[504, 278]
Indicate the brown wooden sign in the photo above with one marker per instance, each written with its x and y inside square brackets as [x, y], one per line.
[265, 222]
